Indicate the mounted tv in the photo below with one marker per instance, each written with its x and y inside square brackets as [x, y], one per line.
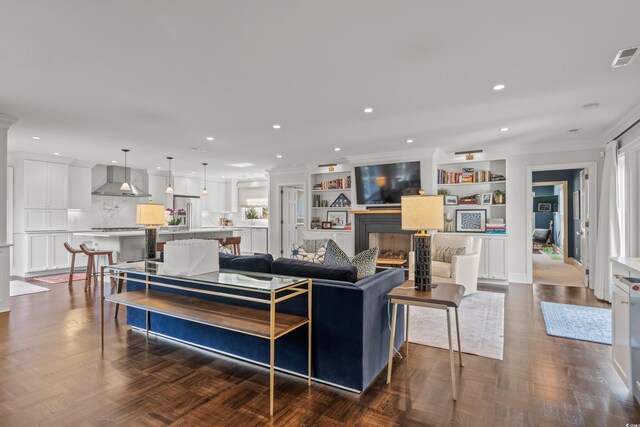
[385, 184]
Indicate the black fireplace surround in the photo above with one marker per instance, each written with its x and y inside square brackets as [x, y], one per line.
[375, 223]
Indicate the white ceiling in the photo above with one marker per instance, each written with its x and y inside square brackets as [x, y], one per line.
[158, 76]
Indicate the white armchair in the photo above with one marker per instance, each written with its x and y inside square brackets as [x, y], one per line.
[462, 270]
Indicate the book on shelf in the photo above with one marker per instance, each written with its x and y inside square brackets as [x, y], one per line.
[503, 231]
[467, 176]
[334, 184]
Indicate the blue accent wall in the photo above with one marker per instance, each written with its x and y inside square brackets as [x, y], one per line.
[572, 176]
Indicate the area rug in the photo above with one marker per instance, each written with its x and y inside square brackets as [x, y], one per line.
[61, 278]
[481, 325]
[548, 250]
[18, 287]
[577, 322]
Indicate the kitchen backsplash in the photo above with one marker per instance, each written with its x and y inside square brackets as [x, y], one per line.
[105, 212]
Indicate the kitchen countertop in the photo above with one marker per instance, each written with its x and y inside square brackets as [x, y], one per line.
[244, 226]
[134, 233]
[630, 263]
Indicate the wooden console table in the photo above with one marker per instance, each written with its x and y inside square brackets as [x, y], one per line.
[445, 296]
[266, 324]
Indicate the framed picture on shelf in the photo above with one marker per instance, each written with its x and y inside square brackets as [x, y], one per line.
[544, 207]
[326, 225]
[338, 219]
[450, 200]
[486, 198]
[471, 220]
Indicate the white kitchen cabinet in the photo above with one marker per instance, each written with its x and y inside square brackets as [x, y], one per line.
[37, 252]
[214, 201]
[259, 240]
[493, 258]
[246, 246]
[46, 185]
[620, 348]
[79, 187]
[47, 252]
[158, 188]
[43, 220]
[184, 186]
[230, 196]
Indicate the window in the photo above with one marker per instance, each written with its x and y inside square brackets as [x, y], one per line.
[255, 213]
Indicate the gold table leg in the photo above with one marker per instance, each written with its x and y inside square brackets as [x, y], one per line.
[458, 330]
[406, 332]
[394, 310]
[102, 308]
[272, 343]
[451, 359]
[309, 302]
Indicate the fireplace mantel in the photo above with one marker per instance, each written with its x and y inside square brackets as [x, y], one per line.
[377, 212]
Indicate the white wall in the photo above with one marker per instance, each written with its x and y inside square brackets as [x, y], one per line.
[517, 193]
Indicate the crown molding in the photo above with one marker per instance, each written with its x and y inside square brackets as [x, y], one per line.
[556, 147]
[6, 121]
[393, 156]
[622, 123]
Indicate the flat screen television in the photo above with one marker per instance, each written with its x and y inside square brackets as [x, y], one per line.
[385, 184]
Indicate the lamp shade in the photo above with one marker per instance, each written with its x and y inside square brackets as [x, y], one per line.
[422, 212]
[150, 214]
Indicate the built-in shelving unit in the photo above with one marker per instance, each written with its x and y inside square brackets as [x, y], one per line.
[325, 187]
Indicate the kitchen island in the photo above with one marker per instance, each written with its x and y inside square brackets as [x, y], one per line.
[128, 245]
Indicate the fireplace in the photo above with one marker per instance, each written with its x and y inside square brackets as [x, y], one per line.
[383, 228]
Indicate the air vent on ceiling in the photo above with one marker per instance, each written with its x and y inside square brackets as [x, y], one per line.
[624, 57]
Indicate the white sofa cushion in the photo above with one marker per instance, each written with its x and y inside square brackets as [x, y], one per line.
[440, 269]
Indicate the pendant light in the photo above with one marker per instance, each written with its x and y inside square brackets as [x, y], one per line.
[125, 185]
[169, 187]
[204, 191]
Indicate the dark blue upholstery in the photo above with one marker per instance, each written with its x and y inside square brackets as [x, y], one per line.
[258, 263]
[298, 268]
[350, 330]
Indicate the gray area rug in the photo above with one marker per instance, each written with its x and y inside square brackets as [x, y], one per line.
[18, 287]
[481, 325]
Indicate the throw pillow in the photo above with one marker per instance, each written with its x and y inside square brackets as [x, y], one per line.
[365, 261]
[446, 253]
[299, 253]
[303, 253]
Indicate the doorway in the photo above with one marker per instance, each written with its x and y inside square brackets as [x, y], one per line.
[292, 216]
[559, 218]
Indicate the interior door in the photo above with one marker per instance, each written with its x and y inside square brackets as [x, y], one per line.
[288, 221]
[584, 225]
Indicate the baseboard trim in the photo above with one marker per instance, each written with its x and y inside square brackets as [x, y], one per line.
[518, 278]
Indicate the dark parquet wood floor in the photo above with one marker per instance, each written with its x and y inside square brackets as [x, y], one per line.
[52, 374]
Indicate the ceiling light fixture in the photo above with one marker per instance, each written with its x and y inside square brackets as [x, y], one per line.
[209, 138]
[35, 137]
[337, 149]
[368, 110]
[574, 130]
[499, 86]
[125, 185]
[158, 167]
[504, 129]
[199, 150]
[409, 141]
[279, 156]
[276, 126]
[169, 189]
[241, 165]
[114, 161]
[56, 154]
[204, 191]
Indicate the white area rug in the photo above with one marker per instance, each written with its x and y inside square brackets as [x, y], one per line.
[481, 325]
[18, 287]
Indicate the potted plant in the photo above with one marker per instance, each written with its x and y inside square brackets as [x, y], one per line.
[498, 197]
[251, 213]
[174, 217]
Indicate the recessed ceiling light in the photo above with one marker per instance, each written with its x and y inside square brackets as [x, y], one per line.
[35, 137]
[56, 154]
[276, 126]
[368, 110]
[336, 149]
[158, 167]
[114, 161]
[409, 141]
[193, 172]
[209, 138]
[241, 165]
[574, 130]
[279, 156]
[499, 86]
[504, 129]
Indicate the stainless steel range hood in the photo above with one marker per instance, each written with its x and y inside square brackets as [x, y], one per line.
[115, 178]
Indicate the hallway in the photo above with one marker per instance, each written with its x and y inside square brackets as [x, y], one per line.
[547, 271]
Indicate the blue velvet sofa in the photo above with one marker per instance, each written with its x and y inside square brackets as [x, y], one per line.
[351, 325]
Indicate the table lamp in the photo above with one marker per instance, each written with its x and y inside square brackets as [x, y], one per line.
[150, 214]
[421, 213]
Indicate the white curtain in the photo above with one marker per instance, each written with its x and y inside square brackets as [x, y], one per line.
[608, 241]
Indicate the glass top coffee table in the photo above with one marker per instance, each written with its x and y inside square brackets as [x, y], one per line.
[264, 289]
